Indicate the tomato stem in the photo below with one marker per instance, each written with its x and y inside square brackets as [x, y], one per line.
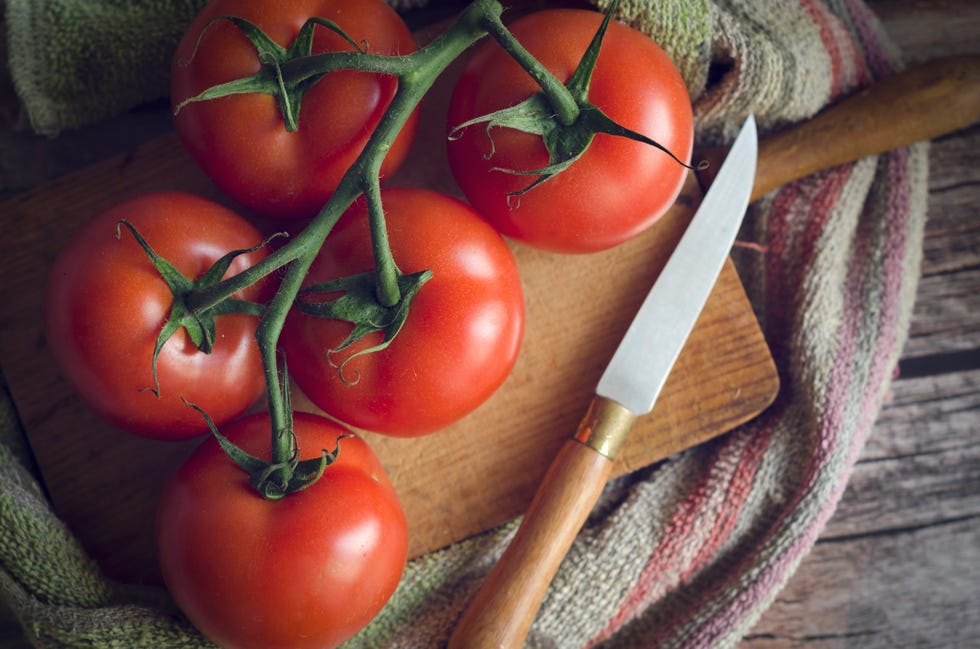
[296, 70]
[386, 271]
[416, 73]
[561, 99]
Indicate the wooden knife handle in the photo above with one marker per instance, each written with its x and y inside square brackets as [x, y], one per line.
[502, 612]
[921, 103]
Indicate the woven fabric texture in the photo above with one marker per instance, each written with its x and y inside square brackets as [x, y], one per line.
[73, 63]
[689, 552]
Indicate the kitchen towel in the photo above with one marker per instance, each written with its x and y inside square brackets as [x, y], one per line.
[691, 551]
[74, 62]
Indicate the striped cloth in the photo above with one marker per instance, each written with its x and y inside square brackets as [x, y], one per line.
[690, 552]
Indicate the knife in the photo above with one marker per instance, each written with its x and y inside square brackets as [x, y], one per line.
[921, 103]
[504, 609]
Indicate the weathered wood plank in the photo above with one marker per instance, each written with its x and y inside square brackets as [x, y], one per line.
[910, 588]
[897, 564]
[929, 414]
[946, 313]
[953, 165]
[953, 236]
[927, 30]
[916, 469]
[948, 299]
[906, 578]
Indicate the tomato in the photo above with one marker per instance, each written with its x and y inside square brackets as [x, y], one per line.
[105, 304]
[309, 570]
[241, 141]
[619, 187]
[462, 334]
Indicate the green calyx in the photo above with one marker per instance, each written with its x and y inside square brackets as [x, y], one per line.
[283, 475]
[566, 121]
[198, 323]
[359, 305]
[270, 79]
[378, 301]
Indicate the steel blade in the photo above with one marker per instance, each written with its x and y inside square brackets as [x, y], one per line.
[644, 358]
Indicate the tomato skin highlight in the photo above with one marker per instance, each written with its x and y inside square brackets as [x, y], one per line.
[305, 572]
[462, 335]
[105, 304]
[619, 187]
[241, 141]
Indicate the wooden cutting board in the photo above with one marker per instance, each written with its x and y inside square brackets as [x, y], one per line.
[467, 478]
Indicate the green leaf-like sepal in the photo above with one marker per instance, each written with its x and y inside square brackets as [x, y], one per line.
[275, 481]
[269, 80]
[565, 143]
[199, 325]
[533, 115]
[359, 305]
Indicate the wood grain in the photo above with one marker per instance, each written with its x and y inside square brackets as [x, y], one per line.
[454, 483]
[898, 565]
[948, 299]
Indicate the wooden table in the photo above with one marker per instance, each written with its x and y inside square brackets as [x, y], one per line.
[899, 563]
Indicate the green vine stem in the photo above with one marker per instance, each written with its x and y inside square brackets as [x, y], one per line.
[561, 100]
[416, 73]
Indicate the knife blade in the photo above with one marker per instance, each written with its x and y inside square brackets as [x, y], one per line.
[503, 610]
[664, 321]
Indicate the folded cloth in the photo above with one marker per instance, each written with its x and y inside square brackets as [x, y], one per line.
[687, 553]
[73, 63]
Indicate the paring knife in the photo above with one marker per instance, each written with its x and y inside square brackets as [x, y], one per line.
[924, 102]
[503, 611]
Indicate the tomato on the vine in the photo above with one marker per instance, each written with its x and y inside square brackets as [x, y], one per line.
[106, 304]
[618, 187]
[307, 571]
[241, 140]
[462, 334]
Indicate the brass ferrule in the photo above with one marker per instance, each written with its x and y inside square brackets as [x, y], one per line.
[605, 426]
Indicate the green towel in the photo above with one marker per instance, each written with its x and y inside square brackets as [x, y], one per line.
[53, 587]
[687, 553]
[75, 62]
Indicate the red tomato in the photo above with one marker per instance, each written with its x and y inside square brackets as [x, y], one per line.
[462, 334]
[618, 187]
[241, 141]
[306, 571]
[106, 303]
